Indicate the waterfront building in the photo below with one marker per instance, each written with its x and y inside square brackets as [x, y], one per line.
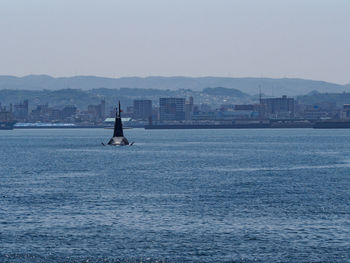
[275, 108]
[172, 109]
[346, 112]
[318, 111]
[142, 109]
[20, 111]
[40, 113]
[189, 109]
[69, 111]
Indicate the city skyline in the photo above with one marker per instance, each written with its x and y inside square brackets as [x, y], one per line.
[180, 38]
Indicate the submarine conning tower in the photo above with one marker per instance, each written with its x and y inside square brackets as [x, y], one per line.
[118, 134]
[118, 125]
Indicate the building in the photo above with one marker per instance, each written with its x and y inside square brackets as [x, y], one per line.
[142, 109]
[21, 111]
[97, 112]
[40, 113]
[189, 109]
[171, 109]
[276, 108]
[346, 112]
[69, 111]
[5, 115]
[323, 110]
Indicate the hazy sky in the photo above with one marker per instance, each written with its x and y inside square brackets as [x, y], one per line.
[257, 38]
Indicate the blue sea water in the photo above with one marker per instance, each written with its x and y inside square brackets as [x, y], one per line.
[175, 196]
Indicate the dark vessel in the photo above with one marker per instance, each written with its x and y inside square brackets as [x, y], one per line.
[208, 126]
[7, 125]
[332, 125]
[118, 138]
[239, 125]
[7, 121]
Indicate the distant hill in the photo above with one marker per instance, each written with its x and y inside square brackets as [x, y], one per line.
[82, 98]
[269, 86]
[315, 98]
[56, 98]
[220, 91]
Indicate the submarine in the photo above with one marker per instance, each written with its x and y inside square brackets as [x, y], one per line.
[118, 138]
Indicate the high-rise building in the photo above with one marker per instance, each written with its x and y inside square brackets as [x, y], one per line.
[20, 111]
[40, 113]
[142, 109]
[189, 109]
[69, 111]
[172, 109]
[279, 107]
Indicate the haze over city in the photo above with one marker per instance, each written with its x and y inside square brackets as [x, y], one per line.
[272, 38]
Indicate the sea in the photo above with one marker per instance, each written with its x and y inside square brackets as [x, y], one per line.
[250, 195]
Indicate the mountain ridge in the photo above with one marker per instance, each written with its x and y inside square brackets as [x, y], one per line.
[249, 85]
[83, 98]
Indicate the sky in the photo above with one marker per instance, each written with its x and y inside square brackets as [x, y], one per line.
[230, 38]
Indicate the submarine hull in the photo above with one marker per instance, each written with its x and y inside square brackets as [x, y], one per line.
[118, 141]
